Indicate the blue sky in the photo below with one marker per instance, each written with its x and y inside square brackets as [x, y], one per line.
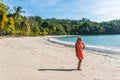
[95, 10]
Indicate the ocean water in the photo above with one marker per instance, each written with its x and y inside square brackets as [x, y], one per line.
[103, 43]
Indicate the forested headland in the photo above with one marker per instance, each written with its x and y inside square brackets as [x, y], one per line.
[13, 23]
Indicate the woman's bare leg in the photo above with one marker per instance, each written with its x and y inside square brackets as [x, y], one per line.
[79, 65]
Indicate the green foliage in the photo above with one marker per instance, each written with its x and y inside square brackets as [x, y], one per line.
[3, 18]
[9, 28]
[13, 23]
[25, 27]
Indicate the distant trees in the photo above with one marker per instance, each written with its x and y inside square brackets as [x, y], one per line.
[9, 28]
[17, 17]
[112, 27]
[3, 18]
[13, 23]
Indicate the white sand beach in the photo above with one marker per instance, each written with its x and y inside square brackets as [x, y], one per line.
[35, 58]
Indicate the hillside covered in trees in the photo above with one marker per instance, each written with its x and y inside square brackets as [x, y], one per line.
[13, 23]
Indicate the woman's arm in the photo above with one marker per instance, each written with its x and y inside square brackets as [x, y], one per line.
[76, 49]
[83, 45]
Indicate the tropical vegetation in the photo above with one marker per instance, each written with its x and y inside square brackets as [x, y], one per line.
[13, 23]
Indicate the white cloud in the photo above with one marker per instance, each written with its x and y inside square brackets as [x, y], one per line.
[106, 10]
[96, 10]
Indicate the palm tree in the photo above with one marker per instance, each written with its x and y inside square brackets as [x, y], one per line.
[18, 11]
[17, 17]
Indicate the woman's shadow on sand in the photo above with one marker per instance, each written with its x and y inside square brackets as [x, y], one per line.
[57, 69]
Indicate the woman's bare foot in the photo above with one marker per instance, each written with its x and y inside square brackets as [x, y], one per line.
[79, 69]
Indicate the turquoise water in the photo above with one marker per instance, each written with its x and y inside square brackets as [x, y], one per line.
[110, 41]
[103, 43]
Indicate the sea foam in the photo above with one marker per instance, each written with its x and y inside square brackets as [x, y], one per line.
[88, 47]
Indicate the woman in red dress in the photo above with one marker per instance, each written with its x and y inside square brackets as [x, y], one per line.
[79, 46]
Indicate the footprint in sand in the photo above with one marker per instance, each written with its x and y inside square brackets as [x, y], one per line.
[102, 62]
[118, 66]
[55, 57]
[104, 71]
[3, 66]
[41, 65]
[42, 53]
[47, 61]
[96, 79]
[49, 55]
[62, 67]
[113, 75]
[93, 68]
[31, 53]
[55, 63]
[82, 74]
[90, 59]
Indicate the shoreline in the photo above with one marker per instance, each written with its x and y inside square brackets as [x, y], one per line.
[63, 44]
[104, 53]
[35, 58]
[88, 47]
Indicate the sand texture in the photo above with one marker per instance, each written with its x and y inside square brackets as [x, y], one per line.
[35, 58]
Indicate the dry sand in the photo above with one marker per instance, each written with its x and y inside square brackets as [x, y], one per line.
[35, 58]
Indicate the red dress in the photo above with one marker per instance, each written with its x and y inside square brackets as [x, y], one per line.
[79, 49]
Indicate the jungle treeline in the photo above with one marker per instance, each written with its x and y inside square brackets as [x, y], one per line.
[13, 23]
